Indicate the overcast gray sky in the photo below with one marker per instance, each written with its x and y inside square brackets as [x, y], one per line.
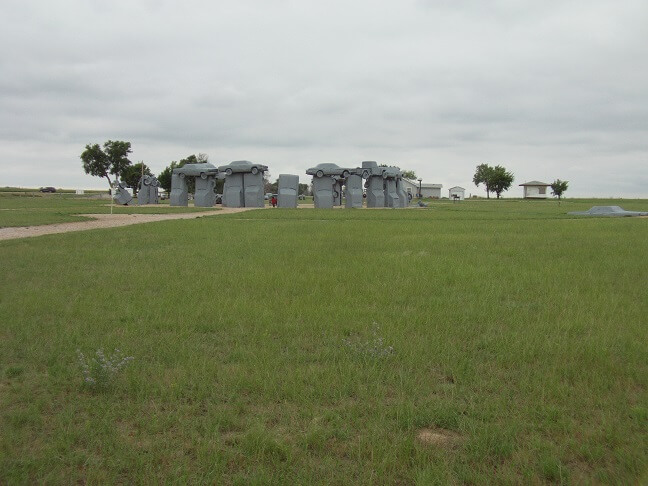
[549, 89]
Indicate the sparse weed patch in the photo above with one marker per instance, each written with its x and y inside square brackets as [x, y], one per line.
[101, 370]
[372, 346]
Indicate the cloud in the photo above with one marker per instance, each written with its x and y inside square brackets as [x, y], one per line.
[550, 90]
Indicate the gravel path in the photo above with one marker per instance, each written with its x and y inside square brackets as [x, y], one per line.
[105, 221]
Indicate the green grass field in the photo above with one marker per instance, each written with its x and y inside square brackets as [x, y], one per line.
[327, 347]
[33, 209]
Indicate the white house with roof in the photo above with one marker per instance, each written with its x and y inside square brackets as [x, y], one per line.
[431, 190]
[457, 192]
[428, 190]
[410, 187]
[535, 190]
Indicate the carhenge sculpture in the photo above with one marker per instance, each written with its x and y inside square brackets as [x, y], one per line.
[288, 190]
[384, 186]
[243, 184]
[205, 175]
[327, 184]
[147, 190]
[122, 196]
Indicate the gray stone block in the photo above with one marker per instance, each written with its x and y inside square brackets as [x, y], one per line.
[288, 191]
[179, 194]
[205, 197]
[402, 195]
[233, 191]
[391, 194]
[253, 189]
[354, 191]
[323, 189]
[375, 192]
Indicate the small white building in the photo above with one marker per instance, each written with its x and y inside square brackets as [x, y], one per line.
[410, 187]
[431, 190]
[428, 190]
[457, 192]
[535, 190]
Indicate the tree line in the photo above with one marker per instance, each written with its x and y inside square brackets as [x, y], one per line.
[112, 160]
[497, 179]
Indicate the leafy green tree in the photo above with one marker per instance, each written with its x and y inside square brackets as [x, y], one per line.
[499, 180]
[274, 187]
[267, 185]
[482, 175]
[112, 159]
[165, 177]
[558, 187]
[132, 174]
[303, 189]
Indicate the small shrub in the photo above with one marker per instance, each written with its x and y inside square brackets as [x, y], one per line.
[100, 371]
[14, 371]
[374, 347]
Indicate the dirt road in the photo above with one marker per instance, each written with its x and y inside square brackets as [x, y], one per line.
[105, 221]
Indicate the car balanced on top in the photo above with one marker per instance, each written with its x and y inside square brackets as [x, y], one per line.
[242, 166]
[203, 170]
[328, 169]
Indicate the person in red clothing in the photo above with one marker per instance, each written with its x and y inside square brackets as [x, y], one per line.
[273, 201]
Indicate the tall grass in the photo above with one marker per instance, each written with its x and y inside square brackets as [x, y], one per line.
[517, 331]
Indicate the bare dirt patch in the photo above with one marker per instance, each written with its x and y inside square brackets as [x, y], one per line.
[437, 437]
[105, 221]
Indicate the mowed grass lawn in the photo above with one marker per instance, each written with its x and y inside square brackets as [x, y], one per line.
[32, 209]
[490, 342]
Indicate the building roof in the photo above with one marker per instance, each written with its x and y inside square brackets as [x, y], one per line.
[423, 186]
[535, 183]
[457, 187]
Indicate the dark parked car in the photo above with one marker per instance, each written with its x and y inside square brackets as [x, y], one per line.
[47, 189]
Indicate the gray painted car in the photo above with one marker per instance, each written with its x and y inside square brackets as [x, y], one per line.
[328, 169]
[203, 170]
[242, 166]
[608, 211]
